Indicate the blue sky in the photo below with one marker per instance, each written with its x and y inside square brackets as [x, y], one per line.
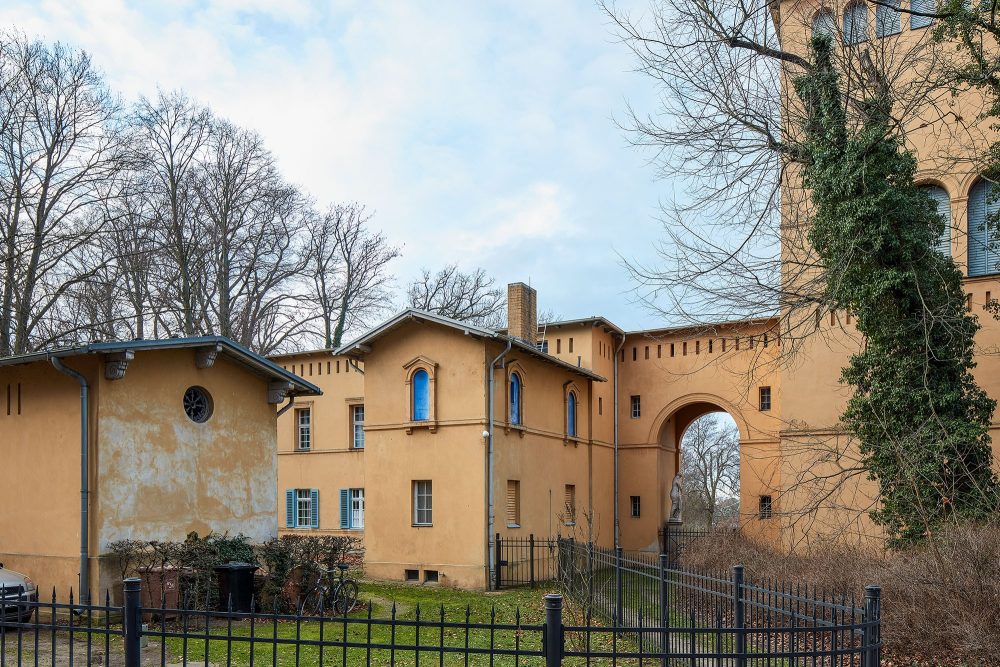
[479, 133]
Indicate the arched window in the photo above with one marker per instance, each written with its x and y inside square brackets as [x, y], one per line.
[421, 396]
[571, 415]
[983, 208]
[515, 398]
[856, 23]
[940, 197]
[887, 18]
[824, 23]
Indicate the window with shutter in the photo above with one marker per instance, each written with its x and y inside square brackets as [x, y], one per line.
[940, 196]
[921, 6]
[357, 508]
[887, 18]
[513, 503]
[856, 23]
[303, 508]
[824, 23]
[983, 208]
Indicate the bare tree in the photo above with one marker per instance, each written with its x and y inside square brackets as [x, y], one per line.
[62, 140]
[174, 131]
[348, 268]
[469, 297]
[710, 463]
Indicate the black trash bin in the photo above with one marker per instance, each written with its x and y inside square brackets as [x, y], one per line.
[236, 586]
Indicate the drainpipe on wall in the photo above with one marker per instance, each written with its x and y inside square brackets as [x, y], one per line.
[84, 477]
[491, 565]
[618, 533]
[285, 408]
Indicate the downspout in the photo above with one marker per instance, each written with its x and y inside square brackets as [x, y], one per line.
[84, 477]
[491, 382]
[618, 533]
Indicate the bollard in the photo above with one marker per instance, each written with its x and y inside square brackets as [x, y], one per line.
[553, 630]
[132, 622]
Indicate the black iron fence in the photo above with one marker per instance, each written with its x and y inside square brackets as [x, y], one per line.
[521, 561]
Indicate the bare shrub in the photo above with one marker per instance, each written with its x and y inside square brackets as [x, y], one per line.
[940, 600]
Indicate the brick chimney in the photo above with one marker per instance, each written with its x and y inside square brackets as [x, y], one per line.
[522, 313]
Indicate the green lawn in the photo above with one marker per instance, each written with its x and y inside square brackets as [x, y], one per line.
[481, 607]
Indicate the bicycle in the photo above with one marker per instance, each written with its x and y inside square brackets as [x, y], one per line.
[332, 591]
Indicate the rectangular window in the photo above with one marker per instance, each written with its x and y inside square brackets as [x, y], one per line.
[357, 508]
[647, 352]
[636, 413]
[571, 344]
[723, 344]
[303, 428]
[684, 349]
[543, 346]
[570, 505]
[636, 508]
[600, 405]
[697, 347]
[513, 503]
[671, 349]
[764, 508]
[422, 505]
[710, 346]
[358, 426]
[765, 399]
[922, 7]
[303, 508]
[633, 354]
[558, 345]
[659, 351]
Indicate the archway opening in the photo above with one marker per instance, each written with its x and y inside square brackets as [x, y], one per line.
[709, 461]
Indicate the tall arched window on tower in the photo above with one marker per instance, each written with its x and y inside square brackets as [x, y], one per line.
[983, 207]
[824, 23]
[515, 398]
[856, 23]
[421, 396]
[571, 415]
[940, 196]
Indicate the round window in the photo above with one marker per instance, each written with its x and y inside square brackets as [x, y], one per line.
[197, 404]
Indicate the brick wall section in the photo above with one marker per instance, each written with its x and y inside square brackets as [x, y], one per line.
[522, 314]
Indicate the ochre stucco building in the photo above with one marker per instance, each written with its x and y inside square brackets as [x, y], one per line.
[179, 436]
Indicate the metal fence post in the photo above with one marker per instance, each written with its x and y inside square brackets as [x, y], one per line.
[132, 622]
[497, 575]
[871, 655]
[664, 610]
[739, 621]
[531, 559]
[590, 575]
[553, 630]
[618, 584]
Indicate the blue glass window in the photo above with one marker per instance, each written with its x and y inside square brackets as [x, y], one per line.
[421, 396]
[571, 415]
[856, 23]
[515, 398]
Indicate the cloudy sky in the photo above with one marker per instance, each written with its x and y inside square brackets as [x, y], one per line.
[480, 133]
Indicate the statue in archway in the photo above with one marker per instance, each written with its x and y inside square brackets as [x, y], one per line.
[677, 498]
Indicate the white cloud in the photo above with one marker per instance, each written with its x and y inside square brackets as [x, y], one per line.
[478, 132]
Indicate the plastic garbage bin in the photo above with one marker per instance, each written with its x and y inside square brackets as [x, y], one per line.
[236, 586]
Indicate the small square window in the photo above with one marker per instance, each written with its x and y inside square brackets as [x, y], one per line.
[765, 399]
[412, 575]
[430, 576]
[765, 509]
[636, 506]
[636, 408]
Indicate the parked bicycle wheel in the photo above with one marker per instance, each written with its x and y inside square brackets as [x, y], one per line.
[319, 601]
[347, 597]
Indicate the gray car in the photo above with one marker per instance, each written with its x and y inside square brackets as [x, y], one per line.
[16, 592]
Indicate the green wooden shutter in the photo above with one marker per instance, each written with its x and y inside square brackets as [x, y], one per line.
[314, 498]
[345, 508]
[290, 508]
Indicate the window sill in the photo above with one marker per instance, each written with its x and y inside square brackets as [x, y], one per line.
[429, 424]
[422, 525]
[571, 439]
[570, 525]
[515, 427]
[513, 525]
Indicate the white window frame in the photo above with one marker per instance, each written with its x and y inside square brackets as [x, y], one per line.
[358, 426]
[303, 432]
[303, 507]
[636, 406]
[357, 500]
[423, 502]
